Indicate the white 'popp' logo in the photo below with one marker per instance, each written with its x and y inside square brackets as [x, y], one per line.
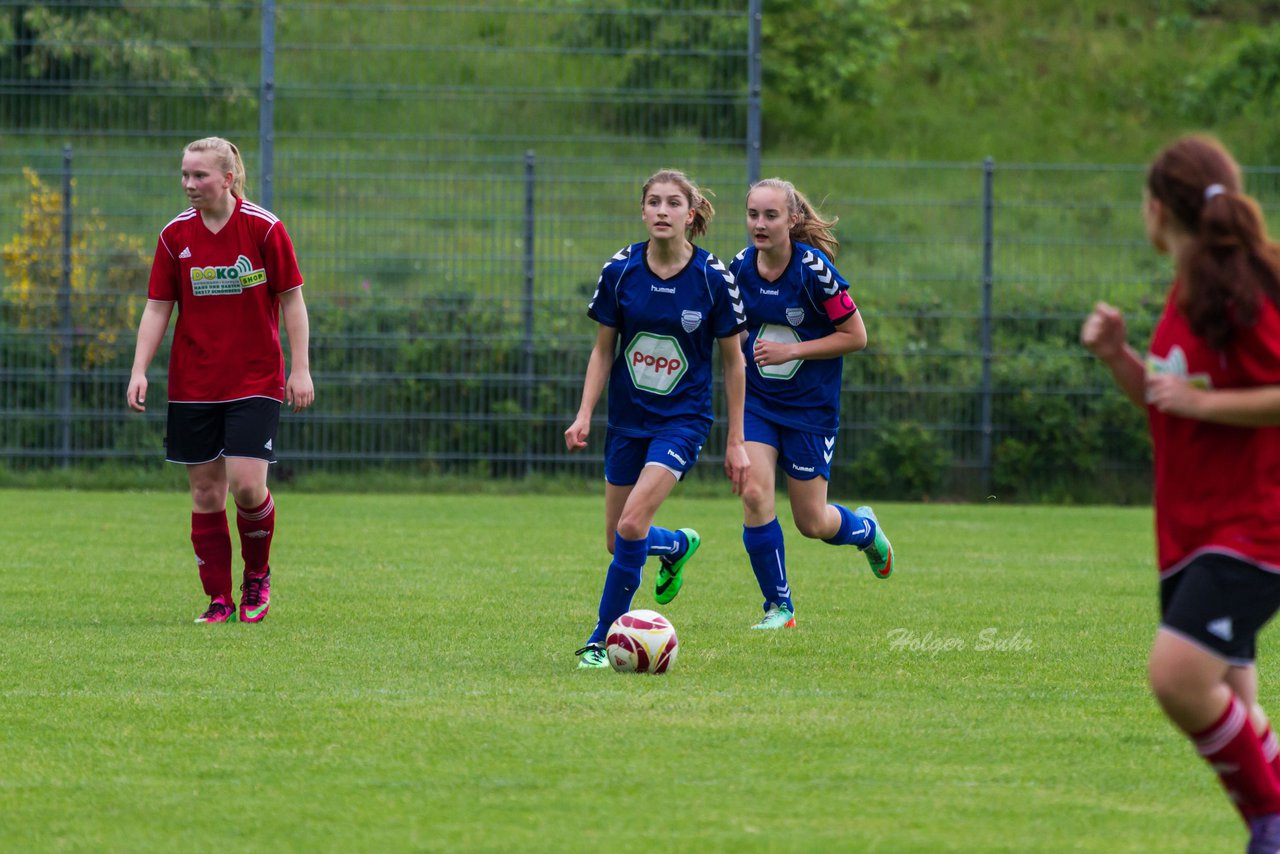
[782, 335]
[656, 362]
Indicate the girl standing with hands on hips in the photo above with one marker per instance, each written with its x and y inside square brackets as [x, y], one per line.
[800, 323]
[229, 267]
[1210, 385]
[662, 305]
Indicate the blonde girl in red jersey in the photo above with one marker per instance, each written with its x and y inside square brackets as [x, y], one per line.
[229, 267]
[1210, 384]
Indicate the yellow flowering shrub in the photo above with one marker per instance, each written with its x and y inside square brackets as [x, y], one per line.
[108, 275]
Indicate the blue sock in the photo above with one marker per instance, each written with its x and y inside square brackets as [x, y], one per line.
[854, 530]
[619, 584]
[768, 554]
[667, 543]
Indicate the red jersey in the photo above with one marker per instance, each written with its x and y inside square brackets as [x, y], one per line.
[1217, 487]
[226, 345]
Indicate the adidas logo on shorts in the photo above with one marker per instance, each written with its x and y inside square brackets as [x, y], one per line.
[1221, 628]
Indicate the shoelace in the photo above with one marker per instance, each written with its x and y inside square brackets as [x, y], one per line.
[216, 609]
[252, 589]
[589, 648]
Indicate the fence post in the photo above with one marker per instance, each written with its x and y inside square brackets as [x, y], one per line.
[529, 259]
[755, 71]
[988, 251]
[66, 331]
[266, 106]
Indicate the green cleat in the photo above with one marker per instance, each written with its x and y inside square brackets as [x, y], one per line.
[670, 576]
[593, 655]
[777, 617]
[879, 553]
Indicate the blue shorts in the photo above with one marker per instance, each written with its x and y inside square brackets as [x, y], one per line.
[802, 455]
[625, 456]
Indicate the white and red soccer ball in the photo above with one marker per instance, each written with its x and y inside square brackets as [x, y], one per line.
[641, 641]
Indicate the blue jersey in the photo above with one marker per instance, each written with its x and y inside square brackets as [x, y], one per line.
[667, 329]
[804, 303]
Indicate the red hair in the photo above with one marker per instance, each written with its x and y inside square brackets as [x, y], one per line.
[1230, 265]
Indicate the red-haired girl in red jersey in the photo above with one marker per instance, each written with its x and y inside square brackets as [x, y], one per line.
[229, 266]
[1210, 384]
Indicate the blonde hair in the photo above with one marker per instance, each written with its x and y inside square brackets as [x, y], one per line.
[698, 203]
[228, 159]
[810, 227]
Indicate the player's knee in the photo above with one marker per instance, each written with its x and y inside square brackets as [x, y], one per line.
[209, 496]
[755, 498]
[811, 527]
[248, 493]
[632, 528]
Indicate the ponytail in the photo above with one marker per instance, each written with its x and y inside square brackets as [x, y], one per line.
[1230, 264]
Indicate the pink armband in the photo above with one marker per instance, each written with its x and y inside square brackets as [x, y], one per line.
[839, 307]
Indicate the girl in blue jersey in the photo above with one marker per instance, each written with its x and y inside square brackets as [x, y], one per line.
[800, 323]
[662, 306]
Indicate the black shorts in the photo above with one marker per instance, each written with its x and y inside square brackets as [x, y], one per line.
[1221, 603]
[203, 432]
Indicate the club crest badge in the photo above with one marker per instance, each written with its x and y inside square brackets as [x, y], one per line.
[690, 320]
[795, 316]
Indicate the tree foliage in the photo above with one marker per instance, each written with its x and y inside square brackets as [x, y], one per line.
[688, 72]
[98, 65]
[1245, 83]
[105, 272]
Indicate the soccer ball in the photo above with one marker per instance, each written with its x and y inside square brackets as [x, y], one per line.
[641, 641]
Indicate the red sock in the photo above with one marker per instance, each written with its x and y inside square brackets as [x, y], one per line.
[256, 528]
[1233, 750]
[1270, 750]
[211, 538]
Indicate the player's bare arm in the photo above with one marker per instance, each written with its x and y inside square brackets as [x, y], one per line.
[151, 329]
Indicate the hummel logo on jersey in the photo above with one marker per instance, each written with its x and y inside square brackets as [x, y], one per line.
[185, 253]
[1221, 628]
[268, 445]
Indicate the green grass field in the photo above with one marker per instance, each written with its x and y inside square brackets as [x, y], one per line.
[414, 687]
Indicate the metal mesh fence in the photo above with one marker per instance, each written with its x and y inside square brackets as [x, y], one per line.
[454, 175]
